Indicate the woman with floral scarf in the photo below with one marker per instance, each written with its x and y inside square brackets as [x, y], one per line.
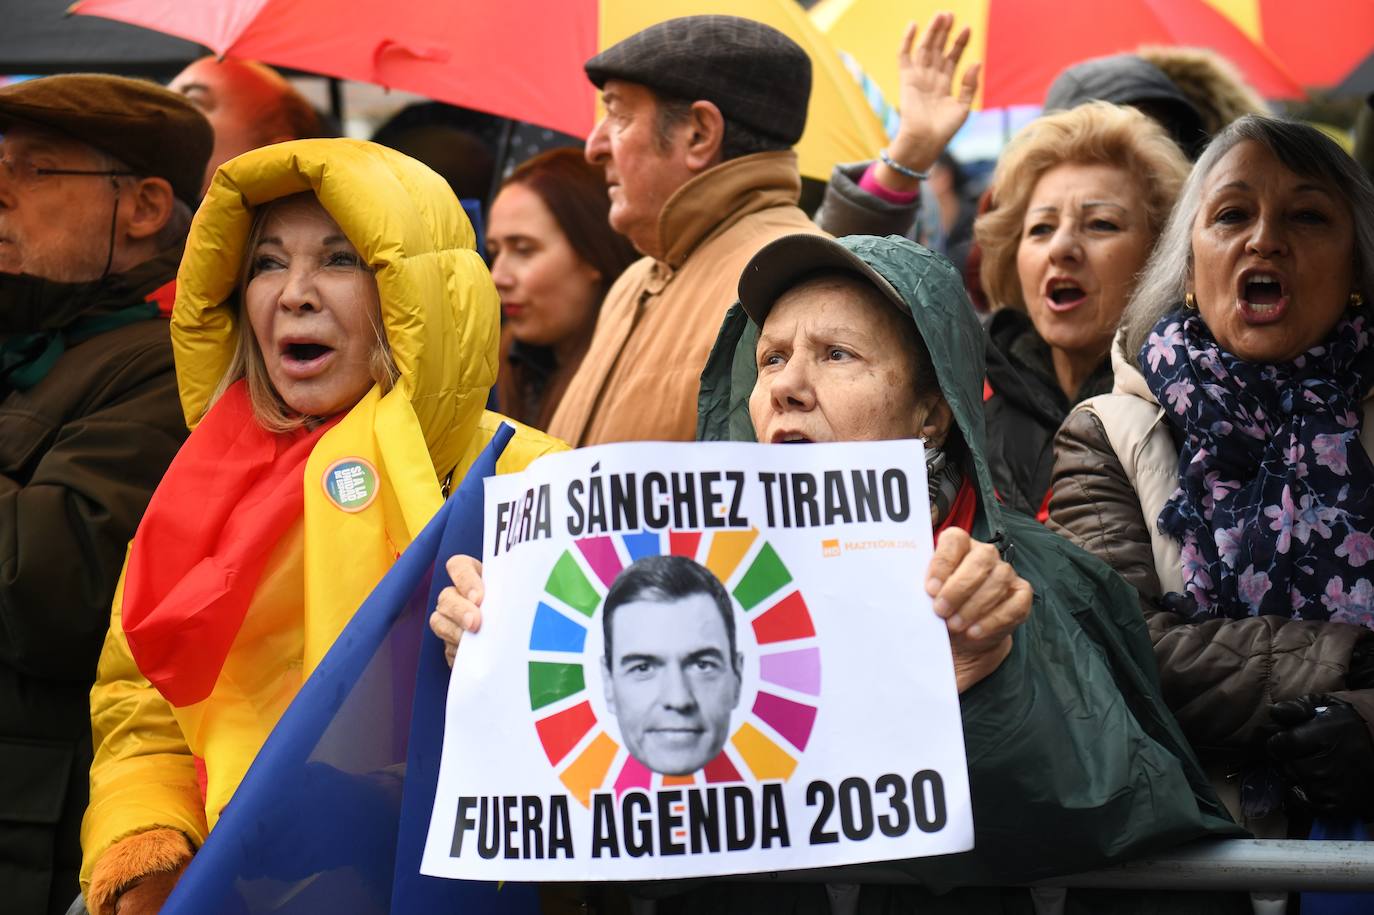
[1229, 476]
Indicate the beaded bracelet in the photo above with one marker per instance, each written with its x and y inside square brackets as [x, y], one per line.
[901, 169]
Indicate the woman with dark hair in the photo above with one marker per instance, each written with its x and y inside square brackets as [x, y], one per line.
[1228, 475]
[553, 256]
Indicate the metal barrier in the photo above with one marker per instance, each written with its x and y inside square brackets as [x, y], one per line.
[1220, 864]
[1242, 864]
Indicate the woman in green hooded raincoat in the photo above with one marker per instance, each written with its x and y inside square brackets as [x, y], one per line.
[1074, 760]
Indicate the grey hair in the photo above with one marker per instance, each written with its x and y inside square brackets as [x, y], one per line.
[1303, 150]
[173, 231]
[738, 140]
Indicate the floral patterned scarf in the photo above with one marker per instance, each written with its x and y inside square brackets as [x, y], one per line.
[1275, 505]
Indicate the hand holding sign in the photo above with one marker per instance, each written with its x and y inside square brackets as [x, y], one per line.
[981, 599]
[708, 659]
[979, 595]
[459, 608]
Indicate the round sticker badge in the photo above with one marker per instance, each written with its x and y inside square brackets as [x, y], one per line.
[351, 484]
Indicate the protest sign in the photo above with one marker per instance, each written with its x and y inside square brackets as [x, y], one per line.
[777, 692]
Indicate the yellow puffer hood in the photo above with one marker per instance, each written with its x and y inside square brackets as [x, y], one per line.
[440, 309]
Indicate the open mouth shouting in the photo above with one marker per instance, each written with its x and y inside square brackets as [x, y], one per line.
[1064, 294]
[304, 358]
[1261, 295]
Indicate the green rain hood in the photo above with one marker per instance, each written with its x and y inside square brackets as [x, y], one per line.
[1074, 760]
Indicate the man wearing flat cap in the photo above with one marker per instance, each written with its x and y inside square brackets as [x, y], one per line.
[701, 116]
[98, 177]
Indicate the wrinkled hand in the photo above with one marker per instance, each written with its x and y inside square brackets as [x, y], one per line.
[459, 608]
[146, 897]
[981, 599]
[930, 114]
[1325, 752]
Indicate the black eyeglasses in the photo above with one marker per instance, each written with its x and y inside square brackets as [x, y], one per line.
[23, 172]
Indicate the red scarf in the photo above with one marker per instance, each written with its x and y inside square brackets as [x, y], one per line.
[962, 512]
[231, 493]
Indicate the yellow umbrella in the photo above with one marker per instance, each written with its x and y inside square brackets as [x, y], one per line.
[1025, 45]
[870, 30]
[1318, 41]
[840, 124]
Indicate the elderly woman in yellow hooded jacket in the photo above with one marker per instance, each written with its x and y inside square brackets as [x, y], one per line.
[336, 336]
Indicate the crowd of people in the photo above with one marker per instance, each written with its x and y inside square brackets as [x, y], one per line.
[1141, 363]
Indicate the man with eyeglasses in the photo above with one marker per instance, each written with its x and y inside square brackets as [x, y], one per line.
[98, 177]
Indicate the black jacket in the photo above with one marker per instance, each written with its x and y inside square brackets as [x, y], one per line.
[1024, 406]
[81, 451]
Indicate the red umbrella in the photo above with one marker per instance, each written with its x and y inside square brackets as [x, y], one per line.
[1319, 41]
[442, 49]
[518, 58]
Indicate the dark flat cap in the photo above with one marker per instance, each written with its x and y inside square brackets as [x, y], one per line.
[753, 73]
[154, 131]
[1129, 79]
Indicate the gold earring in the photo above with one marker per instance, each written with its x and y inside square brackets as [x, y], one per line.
[1190, 301]
[1356, 301]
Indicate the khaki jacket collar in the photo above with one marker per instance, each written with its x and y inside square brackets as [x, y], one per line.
[1126, 375]
[719, 197]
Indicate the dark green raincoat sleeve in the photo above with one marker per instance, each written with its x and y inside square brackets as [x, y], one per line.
[1069, 740]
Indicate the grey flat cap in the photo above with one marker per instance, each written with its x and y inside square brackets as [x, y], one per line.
[1129, 79]
[754, 74]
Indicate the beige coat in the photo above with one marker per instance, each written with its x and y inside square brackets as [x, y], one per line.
[1116, 464]
[640, 377]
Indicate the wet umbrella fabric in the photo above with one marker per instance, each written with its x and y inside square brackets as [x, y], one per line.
[39, 37]
[1318, 41]
[520, 59]
[1024, 46]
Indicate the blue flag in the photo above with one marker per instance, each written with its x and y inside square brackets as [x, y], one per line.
[333, 813]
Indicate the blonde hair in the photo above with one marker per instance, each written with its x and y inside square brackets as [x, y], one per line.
[1097, 133]
[247, 363]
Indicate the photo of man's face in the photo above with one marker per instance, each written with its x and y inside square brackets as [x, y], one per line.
[672, 678]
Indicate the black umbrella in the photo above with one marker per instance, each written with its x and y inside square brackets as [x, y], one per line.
[1360, 81]
[38, 37]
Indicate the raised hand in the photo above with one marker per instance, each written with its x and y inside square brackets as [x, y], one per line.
[931, 112]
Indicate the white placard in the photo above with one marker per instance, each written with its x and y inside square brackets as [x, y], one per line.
[826, 732]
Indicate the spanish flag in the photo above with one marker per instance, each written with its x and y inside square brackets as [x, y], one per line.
[333, 812]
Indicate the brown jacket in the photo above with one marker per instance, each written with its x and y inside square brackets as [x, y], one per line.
[640, 377]
[1219, 676]
[80, 454]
